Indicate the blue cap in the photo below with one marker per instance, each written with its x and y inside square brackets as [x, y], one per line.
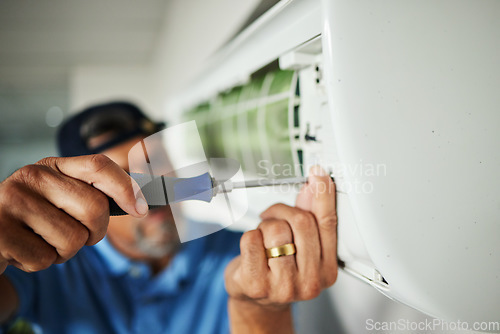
[115, 122]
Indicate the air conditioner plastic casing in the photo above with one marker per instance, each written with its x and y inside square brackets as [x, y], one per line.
[403, 99]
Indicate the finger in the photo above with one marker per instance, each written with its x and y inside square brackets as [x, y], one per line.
[305, 237]
[253, 255]
[56, 227]
[324, 209]
[79, 200]
[282, 283]
[305, 198]
[249, 273]
[233, 277]
[103, 174]
[20, 245]
[275, 233]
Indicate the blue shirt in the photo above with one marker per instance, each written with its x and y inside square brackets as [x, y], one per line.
[102, 291]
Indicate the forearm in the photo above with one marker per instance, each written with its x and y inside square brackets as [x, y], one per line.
[249, 317]
[9, 300]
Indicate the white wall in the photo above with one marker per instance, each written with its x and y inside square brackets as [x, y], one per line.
[192, 31]
[16, 155]
[94, 84]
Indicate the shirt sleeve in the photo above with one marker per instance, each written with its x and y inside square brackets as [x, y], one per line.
[25, 286]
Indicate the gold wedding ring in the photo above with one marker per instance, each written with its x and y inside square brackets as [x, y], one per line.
[283, 250]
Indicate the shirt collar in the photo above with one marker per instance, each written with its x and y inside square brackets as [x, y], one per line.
[181, 268]
[116, 263]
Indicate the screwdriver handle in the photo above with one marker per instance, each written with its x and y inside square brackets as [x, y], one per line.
[158, 189]
[115, 210]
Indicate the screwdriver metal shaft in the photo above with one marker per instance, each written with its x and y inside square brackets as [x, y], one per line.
[269, 182]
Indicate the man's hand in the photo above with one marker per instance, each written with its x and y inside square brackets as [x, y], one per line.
[261, 289]
[51, 209]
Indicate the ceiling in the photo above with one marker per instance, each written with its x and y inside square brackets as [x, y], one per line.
[41, 41]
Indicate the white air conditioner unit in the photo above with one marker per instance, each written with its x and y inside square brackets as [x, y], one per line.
[401, 100]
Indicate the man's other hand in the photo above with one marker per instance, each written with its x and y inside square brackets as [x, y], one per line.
[255, 282]
[51, 209]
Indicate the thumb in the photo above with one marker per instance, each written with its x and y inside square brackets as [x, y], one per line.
[322, 192]
[319, 182]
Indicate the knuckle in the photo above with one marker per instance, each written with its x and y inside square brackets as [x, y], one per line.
[5, 252]
[75, 239]
[44, 260]
[285, 294]
[257, 290]
[276, 232]
[98, 162]
[49, 161]
[10, 192]
[329, 223]
[276, 226]
[29, 173]
[99, 203]
[249, 239]
[95, 217]
[303, 219]
[310, 289]
[230, 275]
[96, 206]
[252, 273]
[47, 259]
[329, 278]
[277, 206]
[271, 208]
[33, 176]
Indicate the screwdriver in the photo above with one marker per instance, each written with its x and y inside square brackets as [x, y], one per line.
[228, 186]
[164, 190]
